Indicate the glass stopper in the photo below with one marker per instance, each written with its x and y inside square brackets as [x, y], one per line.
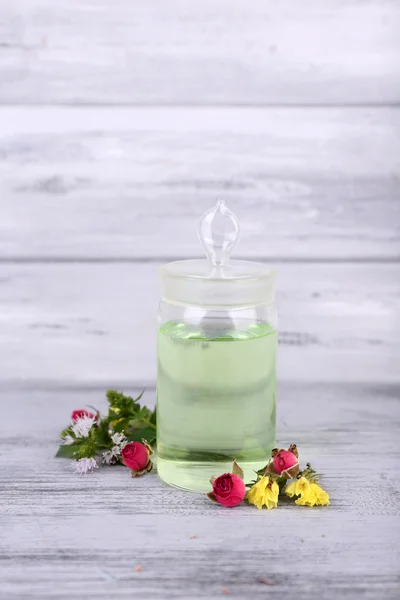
[219, 233]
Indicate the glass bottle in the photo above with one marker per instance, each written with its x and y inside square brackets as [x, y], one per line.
[216, 361]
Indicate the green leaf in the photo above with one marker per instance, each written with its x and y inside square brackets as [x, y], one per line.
[250, 485]
[88, 448]
[66, 431]
[144, 414]
[67, 451]
[140, 395]
[144, 433]
[281, 481]
[263, 470]
[123, 405]
[101, 435]
[119, 425]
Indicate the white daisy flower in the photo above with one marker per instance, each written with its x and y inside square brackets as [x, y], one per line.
[118, 439]
[68, 440]
[110, 455]
[82, 426]
[85, 465]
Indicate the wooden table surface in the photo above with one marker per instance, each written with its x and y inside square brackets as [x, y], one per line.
[120, 123]
[64, 535]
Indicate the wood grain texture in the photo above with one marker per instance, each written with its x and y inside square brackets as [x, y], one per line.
[66, 536]
[96, 323]
[93, 199]
[132, 183]
[213, 52]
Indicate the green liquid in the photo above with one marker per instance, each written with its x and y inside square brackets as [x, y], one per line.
[216, 400]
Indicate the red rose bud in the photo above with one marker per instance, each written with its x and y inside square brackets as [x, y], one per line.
[286, 464]
[136, 456]
[81, 412]
[228, 490]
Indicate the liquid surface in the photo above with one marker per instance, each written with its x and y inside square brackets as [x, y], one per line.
[216, 400]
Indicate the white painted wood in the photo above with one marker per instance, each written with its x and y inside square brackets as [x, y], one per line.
[66, 536]
[214, 51]
[132, 183]
[96, 323]
[119, 189]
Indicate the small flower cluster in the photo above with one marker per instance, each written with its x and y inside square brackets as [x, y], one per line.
[134, 455]
[114, 439]
[307, 493]
[111, 457]
[85, 465]
[281, 475]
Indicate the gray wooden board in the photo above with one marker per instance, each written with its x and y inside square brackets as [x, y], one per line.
[66, 536]
[214, 51]
[86, 323]
[92, 199]
[132, 183]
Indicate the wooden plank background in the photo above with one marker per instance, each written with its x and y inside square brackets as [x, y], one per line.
[213, 52]
[131, 183]
[85, 323]
[120, 123]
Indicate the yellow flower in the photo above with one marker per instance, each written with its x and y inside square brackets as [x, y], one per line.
[307, 498]
[309, 493]
[297, 487]
[264, 493]
[321, 495]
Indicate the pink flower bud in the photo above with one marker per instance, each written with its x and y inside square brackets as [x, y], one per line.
[286, 464]
[135, 456]
[81, 412]
[228, 490]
